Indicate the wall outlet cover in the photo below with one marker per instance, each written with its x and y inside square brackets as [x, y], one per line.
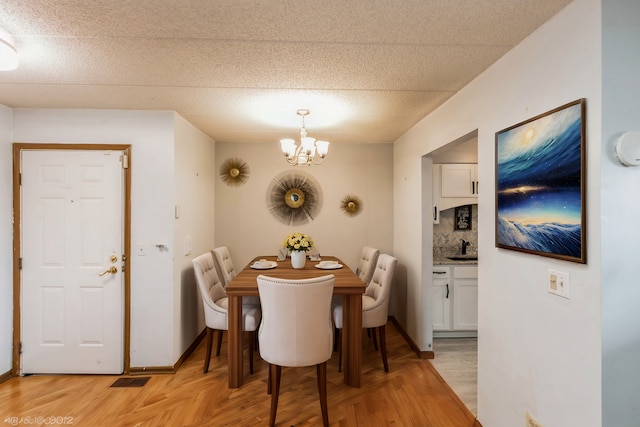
[559, 283]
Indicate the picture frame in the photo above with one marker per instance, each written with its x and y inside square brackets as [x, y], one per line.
[540, 184]
[462, 218]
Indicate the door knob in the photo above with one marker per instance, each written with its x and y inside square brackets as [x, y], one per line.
[112, 270]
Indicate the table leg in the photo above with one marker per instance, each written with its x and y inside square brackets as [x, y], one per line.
[352, 338]
[234, 339]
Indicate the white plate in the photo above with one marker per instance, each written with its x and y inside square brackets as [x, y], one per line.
[264, 265]
[329, 266]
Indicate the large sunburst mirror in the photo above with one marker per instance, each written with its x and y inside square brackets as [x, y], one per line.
[294, 198]
[234, 171]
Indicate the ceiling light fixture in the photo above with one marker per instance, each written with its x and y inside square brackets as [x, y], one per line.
[8, 56]
[305, 153]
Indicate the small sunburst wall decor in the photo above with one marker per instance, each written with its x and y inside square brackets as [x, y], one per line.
[234, 171]
[294, 198]
[351, 205]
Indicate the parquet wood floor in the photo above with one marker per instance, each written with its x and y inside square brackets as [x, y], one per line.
[411, 394]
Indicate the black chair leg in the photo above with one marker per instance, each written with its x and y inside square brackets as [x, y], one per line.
[321, 372]
[383, 347]
[207, 357]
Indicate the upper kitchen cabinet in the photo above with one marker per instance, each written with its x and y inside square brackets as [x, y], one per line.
[454, 184]
[459, 180]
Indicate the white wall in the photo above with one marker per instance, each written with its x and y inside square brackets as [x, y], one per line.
[152, 195]
[245, 225]
[6, 241]
[620, 208]
[194, 228]
[537, 352]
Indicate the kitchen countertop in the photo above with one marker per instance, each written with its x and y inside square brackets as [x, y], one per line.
[442, 259]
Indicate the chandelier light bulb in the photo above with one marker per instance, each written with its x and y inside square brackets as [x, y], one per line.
[305, 152]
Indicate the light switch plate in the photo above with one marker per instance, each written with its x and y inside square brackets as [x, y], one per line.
[188, 243]
[559, 283]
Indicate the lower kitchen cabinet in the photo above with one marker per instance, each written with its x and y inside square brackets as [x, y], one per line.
[455, 300]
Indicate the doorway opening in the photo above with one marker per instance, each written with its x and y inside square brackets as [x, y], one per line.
[451, 280]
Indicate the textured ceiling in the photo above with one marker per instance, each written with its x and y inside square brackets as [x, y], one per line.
[239, 69]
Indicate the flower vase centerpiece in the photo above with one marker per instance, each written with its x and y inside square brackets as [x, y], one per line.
[298, 244]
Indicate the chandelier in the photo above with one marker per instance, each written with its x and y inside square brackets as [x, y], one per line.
[8, 56]
[305, 153]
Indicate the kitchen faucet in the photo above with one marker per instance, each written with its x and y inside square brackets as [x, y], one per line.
[463, 249]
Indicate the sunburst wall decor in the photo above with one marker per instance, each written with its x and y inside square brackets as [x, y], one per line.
[294, 198]
[351, 205]
[234, 171]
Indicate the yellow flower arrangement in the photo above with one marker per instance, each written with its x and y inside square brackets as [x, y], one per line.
[298, 242]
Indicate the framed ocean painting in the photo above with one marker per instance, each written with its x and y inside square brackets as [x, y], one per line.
[540, 185]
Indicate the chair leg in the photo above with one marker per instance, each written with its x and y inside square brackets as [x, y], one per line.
[336, 335]
[251, 348]
[275, 392]
[383, 347]
[373, 335]
[207, 357]
[219, 343]
[269, 380]
[321, 372]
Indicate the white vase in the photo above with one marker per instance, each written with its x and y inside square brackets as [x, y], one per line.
[298, 259]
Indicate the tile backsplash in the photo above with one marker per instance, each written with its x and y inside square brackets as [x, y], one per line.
[447, 241]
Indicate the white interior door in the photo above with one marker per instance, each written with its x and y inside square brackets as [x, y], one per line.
[72, 233]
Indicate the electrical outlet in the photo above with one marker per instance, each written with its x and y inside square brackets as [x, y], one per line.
[531, 422]
[559, 283]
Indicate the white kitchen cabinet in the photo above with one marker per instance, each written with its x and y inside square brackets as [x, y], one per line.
[459, 180]
[441, 293]
[455, 300]
[465, 290]
[436, 194]
[453, 185]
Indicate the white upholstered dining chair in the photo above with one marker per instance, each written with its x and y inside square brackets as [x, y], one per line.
[225, 266]
[367, 263]
[296, 331]
[227, 271]
[364, 271]
[215, 304]
[375, 305]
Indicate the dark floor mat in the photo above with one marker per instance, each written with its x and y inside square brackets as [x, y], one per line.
[130, 382]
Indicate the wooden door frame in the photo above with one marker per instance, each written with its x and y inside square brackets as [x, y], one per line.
[18, 147]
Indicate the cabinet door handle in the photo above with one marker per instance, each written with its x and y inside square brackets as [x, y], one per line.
[473, 187]
[477, 187]
[447, 296]
[435, 213]
[439, 272]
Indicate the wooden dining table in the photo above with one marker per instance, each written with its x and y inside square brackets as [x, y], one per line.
[347, 285]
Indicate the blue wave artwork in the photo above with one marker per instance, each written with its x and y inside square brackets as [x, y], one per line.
[539, 184]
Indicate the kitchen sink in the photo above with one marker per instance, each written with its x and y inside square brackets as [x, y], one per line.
[463, 258]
